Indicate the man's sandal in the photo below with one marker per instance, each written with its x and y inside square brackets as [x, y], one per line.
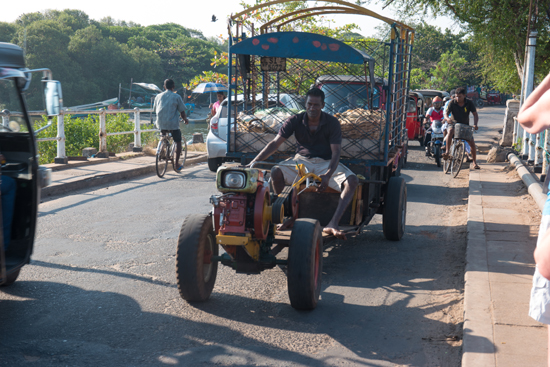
[475, 166]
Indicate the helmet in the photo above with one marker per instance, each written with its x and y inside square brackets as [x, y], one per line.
[436, 99]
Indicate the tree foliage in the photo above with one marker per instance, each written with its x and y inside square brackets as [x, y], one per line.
[498, 30]
[91, 57]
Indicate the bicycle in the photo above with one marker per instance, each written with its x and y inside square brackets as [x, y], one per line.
[166, 151]
[456, 156]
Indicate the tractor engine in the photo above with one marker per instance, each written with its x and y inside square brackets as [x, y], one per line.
[242, 217]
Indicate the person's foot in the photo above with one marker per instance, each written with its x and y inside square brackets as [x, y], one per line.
[475, 166]
[428, 153]
[445, 156]
[335, 232]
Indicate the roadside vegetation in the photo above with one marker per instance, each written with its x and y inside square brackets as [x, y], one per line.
[83, 132]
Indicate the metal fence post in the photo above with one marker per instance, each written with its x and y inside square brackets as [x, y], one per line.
[103, 153]
[526, 144]
[137, 130]
[532, 139]
[61, 158]
[538, 151]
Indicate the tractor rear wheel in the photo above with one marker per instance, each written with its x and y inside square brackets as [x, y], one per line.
[195, 270]
[305, 264]
[395, 209]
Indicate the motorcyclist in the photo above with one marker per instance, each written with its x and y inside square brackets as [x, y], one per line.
[435, 112]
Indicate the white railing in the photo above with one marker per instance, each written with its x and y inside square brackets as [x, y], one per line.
[102, 151]
[535, 147]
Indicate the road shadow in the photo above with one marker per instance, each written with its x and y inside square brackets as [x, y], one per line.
[52, 324]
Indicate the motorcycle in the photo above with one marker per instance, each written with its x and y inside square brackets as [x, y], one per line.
[437, 140]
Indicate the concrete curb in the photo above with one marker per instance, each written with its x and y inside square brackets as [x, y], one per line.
[478, 347]
[533, 186]
[109, 178]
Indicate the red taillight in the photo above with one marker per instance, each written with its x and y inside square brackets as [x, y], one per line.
[214, 126]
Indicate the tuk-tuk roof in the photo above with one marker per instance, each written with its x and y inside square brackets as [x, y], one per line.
[346, 79]
[300, 45]
[11, 56]
[433, 92]
[416, 93]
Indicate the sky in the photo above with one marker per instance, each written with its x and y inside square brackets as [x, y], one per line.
[195, 14]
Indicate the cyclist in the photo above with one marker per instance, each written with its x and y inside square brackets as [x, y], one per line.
[435, 112]
[169, 107]
[460, 109]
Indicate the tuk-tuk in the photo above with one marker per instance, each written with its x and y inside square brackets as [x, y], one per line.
[21, 176]
[415, 117]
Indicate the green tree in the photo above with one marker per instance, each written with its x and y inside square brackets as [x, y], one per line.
[499, 30]
[447, 71]
[7, 31]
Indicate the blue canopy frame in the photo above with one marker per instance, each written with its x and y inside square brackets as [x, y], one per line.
[300, 45]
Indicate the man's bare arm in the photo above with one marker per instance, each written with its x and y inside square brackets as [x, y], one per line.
[336, 150]
[184, 117]
[334, 161]
[269, 149]
[476, 119]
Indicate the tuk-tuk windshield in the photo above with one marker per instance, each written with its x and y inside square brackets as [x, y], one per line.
[342, 97]
[12, 118]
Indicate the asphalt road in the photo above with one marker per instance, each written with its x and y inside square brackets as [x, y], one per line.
[101, 289]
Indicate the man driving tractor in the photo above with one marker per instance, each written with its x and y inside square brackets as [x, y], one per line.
[319, 137]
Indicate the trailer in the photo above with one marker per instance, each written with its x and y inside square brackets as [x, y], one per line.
[366, 87]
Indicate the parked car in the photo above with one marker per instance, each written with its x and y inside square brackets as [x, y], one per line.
[216, 140]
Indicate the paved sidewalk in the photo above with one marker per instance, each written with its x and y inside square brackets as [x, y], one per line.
[80, 175]
[503, 223]
[502, 233]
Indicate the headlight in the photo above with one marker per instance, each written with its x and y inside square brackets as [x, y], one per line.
[234, 180]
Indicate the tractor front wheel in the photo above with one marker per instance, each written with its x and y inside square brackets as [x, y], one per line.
[305, 264]
[195, 270]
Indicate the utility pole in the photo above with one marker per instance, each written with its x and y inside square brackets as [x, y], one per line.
[529, 140]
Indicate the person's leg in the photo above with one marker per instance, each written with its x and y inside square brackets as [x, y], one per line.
[176, 135]
[350, 184]
[449, 139]
[427, 140]
[473, 148]
[8, 188]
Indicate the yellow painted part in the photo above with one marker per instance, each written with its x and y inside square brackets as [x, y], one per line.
[268, 210]
[233, 240]
[301, 168]
[360, 10]
[253, 249]
[305, 177]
